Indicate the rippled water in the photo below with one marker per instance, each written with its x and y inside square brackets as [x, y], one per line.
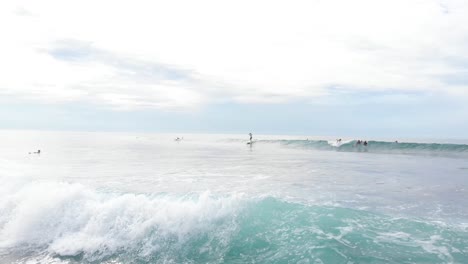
[145, 198]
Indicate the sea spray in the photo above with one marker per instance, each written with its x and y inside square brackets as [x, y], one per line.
[70, 220]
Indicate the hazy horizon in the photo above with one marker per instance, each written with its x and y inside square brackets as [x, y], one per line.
[257, 136]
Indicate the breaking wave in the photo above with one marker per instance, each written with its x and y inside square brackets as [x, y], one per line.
[57, 222]
[376, 146]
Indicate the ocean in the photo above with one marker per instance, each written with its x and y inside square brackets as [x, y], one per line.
[92, 197]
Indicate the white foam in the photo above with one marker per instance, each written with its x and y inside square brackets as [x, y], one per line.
[69, 219]
[337, 144]
[434, 245]
[394, 235]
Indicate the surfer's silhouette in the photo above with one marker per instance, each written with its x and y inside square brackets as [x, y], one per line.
[250, 140]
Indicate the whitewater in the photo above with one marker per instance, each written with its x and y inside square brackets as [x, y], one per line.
[95, 197]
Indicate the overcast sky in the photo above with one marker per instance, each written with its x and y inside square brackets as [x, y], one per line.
[352, 67]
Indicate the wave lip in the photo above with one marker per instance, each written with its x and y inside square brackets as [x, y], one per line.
[69, 220]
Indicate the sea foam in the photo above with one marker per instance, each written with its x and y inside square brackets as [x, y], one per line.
[70, 219]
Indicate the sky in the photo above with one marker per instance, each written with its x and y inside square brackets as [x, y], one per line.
[369, 68]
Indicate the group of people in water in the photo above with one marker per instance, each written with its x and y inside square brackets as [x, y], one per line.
[359, 142]
[338, 141]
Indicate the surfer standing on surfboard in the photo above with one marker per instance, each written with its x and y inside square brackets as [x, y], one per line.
[250, 134]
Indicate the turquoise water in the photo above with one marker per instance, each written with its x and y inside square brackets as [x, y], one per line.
[144, 198]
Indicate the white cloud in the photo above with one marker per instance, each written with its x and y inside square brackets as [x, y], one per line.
[182, 54]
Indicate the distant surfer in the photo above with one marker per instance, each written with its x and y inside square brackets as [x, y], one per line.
[365, 143]
[358, 142]
[36, 152]
[250, 140]
[178, 139]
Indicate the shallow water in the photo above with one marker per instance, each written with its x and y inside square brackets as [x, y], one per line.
[145, 198]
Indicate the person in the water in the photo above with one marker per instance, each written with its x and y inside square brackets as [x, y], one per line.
[36, 152]
[250, 134]
[365, 143]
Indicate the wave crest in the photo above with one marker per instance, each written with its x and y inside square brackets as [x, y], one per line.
[71, 220]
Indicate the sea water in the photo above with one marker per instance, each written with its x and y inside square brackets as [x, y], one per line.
[146, 198]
